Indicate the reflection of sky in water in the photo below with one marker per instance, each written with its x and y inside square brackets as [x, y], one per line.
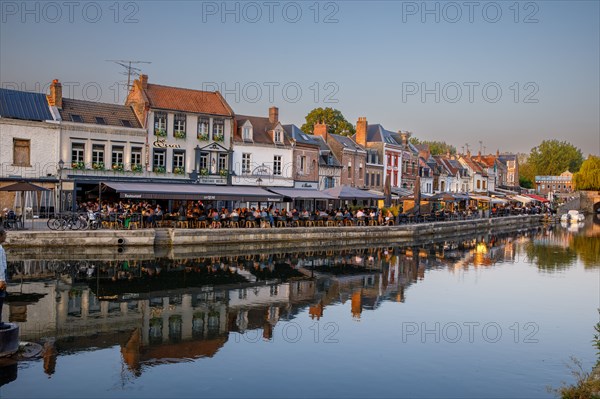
[365, 342]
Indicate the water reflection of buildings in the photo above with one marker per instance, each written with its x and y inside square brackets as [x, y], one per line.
[166, 310]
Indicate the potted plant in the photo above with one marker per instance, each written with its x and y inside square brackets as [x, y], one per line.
[223, 172]
[160, 132]
[78, 165]
[179, 134]
[137, 168]
[203, 136]
[204, 172]
[98, 165]
[159, 169]
[179, 171]
[117, 167]
[219, 137]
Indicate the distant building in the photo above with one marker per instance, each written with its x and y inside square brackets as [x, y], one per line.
[556, 184]
[512, 165]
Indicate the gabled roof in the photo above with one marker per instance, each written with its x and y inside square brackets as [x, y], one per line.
[261, 130]
[472, 165]
[295, 133]
[378, 134]
[187, 100]
[24, 105]
[89, 111]
[347, 142]
[324, 159]
[447, 166]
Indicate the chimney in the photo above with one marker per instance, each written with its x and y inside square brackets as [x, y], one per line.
[320, 129]
[144, 81]
[273, 115]
[361, 131]
[479, 156]
[404, 136]
[55, 96]
[468, 153]
[497, 153]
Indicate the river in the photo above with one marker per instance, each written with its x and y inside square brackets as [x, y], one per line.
[488, 315]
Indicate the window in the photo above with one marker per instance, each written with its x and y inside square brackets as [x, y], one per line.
[277, 136]
[159, 160]
[76, 118]
[204, 161]
[349, 171]
[302, 164]
[136, 156]
[484, 183]
[222, 163]
[77, 152]
[277, 165]
[117, 157]
[329, 159]
[160, 124]
[378, 179]
[178, 161]
[202, 127]
[100, 120]
[329, 182]
[247, 133]
[478, 184]
[98, 153]
[125, 123]
[360, 171]
[179, 126]
[21, 152]
[218, 128]
[246, 163]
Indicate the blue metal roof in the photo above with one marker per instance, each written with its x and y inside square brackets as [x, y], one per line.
[24, 105]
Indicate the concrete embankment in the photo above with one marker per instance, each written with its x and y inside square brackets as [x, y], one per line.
[224, 236]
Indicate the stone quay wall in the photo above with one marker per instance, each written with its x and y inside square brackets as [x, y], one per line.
[227, 236]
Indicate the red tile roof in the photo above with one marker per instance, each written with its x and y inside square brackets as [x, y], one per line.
[187, 100]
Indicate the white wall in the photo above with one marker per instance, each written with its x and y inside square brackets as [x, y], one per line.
[43, 138]
[263, 154]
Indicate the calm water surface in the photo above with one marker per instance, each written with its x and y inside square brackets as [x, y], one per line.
[496, 315]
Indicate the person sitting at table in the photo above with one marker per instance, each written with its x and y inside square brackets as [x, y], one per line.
[215, 224]
[235, 213]
[305, 214]
[158, 211]
[360, 214]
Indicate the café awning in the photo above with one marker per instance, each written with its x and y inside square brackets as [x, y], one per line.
[300, 193]
[351, 193]
[536, 198]
[192, 192]
[522, 199]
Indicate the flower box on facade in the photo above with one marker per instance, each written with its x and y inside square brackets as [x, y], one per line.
[137, 168]
[160, 132]
[179, 171]
[159, 169]
[117, 167]
[179, 134]
[203, 136]
[98, 165]
[78, 165]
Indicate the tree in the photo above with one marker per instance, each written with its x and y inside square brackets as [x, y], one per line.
[588, 177]
[435, 147]
[335, 121]
[553, 157]
[525, 182]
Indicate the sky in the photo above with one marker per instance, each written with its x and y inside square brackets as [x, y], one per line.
[501, 75]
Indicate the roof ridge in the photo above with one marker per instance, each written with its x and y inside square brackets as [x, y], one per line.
[182, 88]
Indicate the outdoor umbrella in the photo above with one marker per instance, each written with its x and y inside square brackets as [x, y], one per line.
[417, 195]
[23, 187]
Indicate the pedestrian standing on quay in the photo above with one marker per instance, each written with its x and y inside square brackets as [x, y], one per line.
[2, 276]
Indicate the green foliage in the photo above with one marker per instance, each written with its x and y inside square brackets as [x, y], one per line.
[435, 147]
[588, 177]
[525, 182]
[553, 157]
[336, 123]
[550, 258]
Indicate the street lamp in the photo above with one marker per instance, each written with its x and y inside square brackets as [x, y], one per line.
[61, 166]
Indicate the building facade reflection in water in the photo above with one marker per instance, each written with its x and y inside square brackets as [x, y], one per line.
[170, 310]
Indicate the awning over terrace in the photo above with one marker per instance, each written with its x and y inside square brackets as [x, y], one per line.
[300, 193]
[191, 192]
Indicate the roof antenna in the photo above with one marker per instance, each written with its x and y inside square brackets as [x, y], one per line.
[129, 69]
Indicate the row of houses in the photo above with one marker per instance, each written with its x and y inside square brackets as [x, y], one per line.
[169, 134]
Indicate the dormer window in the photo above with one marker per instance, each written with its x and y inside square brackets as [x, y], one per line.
[277, 136]
[247, 133]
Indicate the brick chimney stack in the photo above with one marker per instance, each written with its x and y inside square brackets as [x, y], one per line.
[55, 96]
[404, 136]
[320, 129]
[144, 81]
[479, 156]
[273, 115]
[361, 131]
[497, 153]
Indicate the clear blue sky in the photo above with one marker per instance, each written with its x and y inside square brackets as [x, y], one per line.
[373, 58]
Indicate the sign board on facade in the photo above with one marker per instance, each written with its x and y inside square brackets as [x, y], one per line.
[307, 185]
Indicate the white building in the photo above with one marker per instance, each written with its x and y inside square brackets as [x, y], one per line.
[262, 152]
